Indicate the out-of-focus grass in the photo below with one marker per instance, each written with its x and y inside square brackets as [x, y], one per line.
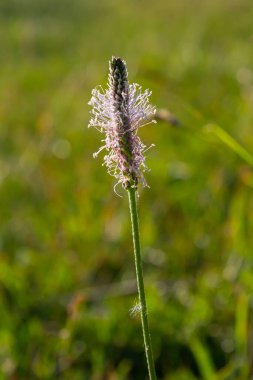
[66, 264]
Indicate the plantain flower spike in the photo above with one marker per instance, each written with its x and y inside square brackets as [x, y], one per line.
[118, 112]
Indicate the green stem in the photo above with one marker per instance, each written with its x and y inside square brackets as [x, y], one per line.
[140, 283]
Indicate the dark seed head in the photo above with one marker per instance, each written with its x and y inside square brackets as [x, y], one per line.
[119, 112]
[118, 79]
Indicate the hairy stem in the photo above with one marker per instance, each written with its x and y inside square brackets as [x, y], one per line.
[140, 283]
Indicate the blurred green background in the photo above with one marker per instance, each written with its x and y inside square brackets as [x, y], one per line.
[67, 281]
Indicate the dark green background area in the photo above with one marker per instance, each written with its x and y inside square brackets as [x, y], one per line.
[67, 281]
